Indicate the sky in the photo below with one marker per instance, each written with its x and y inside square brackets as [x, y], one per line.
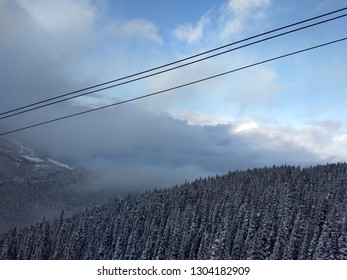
[290, 111]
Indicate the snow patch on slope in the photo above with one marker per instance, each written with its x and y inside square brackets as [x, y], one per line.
[60, 164]
[30, 155]
[33, 159]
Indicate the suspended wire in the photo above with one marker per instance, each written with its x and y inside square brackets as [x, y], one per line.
[174, 88]
[173, 68]
[170, 64]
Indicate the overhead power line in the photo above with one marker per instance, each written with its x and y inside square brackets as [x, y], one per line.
[55, 100]
[175, 87]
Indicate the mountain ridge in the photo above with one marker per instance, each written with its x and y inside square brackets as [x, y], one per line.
[281, 212]
[33, 185]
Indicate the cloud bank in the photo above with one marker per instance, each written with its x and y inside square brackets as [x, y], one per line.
[133, 149]
[159, 141]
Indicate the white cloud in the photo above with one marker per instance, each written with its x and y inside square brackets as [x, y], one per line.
[242, 8]
[47, 40]
[59, 31]
[244, 127]
[317, 138]
[218, 25]
[321, 5]
[325, 140]
[199, 118]
[62, 15]
[136, 29]
[190, 33]
[236, 15]
[255, 90]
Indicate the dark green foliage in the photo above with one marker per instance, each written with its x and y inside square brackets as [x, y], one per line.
[269, 213]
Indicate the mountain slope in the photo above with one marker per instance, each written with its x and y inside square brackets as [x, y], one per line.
[33, 186]
[270, 213]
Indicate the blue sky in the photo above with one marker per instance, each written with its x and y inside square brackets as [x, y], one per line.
[140, 35]
[288, 111]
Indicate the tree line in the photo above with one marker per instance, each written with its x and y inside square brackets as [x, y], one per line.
[283, 212]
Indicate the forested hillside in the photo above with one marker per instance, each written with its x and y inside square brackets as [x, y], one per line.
[33, 185]
[268, 213]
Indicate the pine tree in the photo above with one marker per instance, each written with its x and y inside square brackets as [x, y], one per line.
[266, 213]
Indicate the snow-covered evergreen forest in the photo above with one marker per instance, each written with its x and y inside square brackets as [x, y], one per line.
[33, 185]
[267, 213]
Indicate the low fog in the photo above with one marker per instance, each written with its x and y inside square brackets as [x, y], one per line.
[130, 149]
[125, 147]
